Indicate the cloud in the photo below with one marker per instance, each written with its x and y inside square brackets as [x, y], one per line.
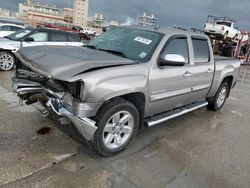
[129, 21]
[187, 13]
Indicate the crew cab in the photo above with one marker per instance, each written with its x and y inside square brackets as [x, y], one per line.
[127, 78]
[223, 27]
[33, 37]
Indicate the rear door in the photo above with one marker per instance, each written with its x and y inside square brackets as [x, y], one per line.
[202, 70]
[63, 39]
[171, 86]
[58, 38]
[74, 40]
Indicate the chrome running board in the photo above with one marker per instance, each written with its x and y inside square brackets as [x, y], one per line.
[175, 113]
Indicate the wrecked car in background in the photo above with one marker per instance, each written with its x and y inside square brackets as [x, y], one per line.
[126, 78]
[33, 37]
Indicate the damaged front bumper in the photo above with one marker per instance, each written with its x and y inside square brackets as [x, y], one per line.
[84, 125]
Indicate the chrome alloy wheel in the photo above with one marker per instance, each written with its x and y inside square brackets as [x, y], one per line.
[222, 97]
[118, 130]
[6, 61]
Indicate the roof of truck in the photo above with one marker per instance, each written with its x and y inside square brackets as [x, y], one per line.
[166, 30]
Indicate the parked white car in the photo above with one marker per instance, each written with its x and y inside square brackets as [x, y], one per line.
[222, 26]
[7, 29]
[33, 37]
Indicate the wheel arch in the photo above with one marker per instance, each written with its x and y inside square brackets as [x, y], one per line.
[138, 99]
[229, 80]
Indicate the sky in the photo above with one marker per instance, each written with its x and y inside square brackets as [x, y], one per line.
[184, 13]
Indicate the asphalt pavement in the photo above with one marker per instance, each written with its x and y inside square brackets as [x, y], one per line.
[201, 149]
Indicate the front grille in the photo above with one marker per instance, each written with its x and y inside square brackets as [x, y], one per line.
[24, 72]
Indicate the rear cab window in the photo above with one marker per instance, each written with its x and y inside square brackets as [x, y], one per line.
[58, 37]
[201, 50]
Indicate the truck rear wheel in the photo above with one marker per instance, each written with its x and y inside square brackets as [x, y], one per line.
[217, 102]
[118, 123]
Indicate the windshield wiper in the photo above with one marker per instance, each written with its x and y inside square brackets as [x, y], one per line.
[120, 53]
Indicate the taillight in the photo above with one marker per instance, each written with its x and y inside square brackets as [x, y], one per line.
[222, 28]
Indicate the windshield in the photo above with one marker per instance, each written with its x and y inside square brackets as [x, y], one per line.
[133, 44]
[224, 23]
[18, 35]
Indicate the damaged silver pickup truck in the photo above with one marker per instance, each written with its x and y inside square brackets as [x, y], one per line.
[125, 79]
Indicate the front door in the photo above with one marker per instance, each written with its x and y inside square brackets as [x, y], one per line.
[171, 86]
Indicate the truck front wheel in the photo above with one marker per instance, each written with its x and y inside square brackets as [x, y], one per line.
[217, 102]
[118, 123]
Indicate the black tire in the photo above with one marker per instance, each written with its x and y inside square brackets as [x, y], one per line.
[5, 55]
[105, 113]
[212, 102]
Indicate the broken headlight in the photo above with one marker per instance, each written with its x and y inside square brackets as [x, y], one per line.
[76, 89]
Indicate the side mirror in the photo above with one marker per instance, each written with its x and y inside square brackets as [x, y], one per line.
[172, 60]
[29, 39]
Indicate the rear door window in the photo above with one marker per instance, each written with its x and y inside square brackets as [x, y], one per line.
[14, 28]
[201, 50]
[5, 28]
[58, 37]
[74, 38]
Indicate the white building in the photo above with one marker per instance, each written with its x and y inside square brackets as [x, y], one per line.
[114, 23]
[36, 13]
[68, 14]
[5, 13]
[97, 21]
[80, 17]
[146, 20]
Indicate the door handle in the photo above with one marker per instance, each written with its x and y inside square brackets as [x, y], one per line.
[210, 70]
[187, 74]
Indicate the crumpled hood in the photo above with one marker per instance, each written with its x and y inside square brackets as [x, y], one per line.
[63, 63]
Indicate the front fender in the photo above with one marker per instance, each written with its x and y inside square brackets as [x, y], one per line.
[107, 89]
